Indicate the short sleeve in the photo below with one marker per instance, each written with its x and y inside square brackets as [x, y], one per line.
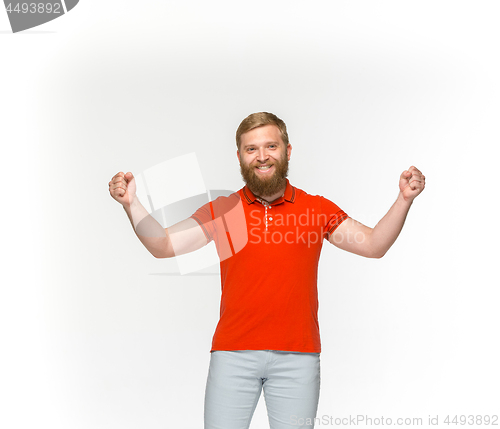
[222, 216]
[205, 219]
[333, 216]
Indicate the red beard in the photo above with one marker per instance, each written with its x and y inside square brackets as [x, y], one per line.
[262, 185]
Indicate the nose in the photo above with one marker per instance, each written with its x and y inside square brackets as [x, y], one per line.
[262, 155]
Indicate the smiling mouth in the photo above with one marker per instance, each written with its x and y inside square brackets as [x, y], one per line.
[264, 168]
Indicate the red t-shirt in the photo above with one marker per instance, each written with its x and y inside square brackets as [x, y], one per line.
[269, 264]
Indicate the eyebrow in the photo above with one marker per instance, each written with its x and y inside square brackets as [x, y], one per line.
[252, 144]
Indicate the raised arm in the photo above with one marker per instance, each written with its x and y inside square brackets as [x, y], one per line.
[183, 237]
[362, 240]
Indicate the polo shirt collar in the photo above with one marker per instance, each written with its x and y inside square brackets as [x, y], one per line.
[250, 198]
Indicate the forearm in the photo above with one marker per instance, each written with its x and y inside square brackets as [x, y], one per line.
[151, 234]
[387, 230]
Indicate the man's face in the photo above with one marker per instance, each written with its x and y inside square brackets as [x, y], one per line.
[264, 160]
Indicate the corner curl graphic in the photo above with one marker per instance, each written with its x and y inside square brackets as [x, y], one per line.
[28, 14]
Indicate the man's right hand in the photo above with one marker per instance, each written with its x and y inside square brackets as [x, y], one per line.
[122, 188]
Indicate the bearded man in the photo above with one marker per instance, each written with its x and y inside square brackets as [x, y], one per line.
[267, 338]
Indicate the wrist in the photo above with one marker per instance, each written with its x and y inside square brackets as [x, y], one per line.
[403, 201]
[134, 201]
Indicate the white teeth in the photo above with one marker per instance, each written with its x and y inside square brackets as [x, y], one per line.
[264, 167]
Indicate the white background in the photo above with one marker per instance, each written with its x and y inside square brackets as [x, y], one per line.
[89, 339]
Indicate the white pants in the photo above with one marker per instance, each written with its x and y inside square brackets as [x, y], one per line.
[290, 381]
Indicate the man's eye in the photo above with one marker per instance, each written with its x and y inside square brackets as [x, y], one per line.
[250, 149]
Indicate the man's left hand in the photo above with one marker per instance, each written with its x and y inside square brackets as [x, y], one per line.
[411, 183]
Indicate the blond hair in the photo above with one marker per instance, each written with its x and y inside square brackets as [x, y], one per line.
[260, 119]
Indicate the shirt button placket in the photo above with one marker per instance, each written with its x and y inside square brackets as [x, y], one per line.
[265, 205]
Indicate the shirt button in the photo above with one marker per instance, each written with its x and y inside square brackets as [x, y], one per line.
[270, 218]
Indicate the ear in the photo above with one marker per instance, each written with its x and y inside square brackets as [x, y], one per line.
[238, 155]
[289, 151]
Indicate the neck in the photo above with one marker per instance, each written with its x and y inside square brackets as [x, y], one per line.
[274, 197]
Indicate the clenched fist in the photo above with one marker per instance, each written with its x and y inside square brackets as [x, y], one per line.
[122, 188]
[411, 183]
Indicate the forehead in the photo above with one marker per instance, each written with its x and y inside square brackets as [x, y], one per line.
[262, 135]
